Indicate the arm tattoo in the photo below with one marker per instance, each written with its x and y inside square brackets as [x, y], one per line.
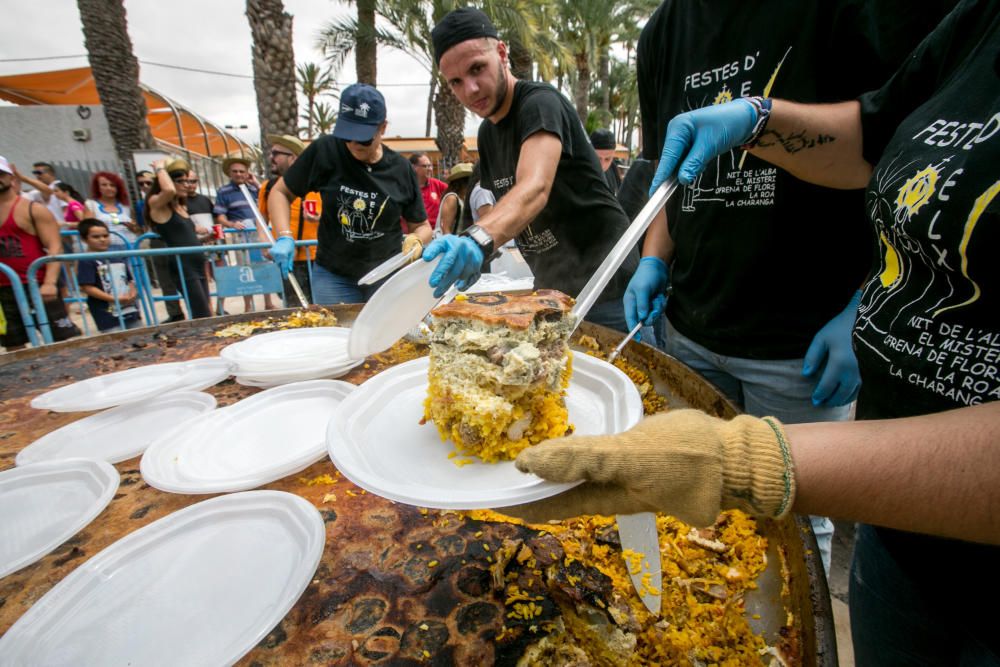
[794, 142]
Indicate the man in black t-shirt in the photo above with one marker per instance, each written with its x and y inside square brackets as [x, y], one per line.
[604, 143]
[761, 304]
[537, 161]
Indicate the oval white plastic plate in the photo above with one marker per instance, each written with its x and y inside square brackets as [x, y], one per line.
[44, 504]
[120, 433]
[201, 586]
[204, 373]
[262, 438]
[395, 308]
[105, 391]
[290, 348]
[274, 379]
[375, 439]
[134, 385]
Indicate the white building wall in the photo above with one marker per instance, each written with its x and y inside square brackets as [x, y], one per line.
[44, 133]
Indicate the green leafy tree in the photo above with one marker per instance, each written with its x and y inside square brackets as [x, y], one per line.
[314, 82]
[324, 117]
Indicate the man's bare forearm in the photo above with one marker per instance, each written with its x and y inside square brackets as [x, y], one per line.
[658, 242]
[818, 143]
[936, 474]
[536, 169]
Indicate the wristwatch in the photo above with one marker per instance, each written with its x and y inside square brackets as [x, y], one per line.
[482, 239]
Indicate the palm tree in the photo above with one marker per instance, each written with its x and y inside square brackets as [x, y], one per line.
[589, 28]
[314, 82]
[324, 117]
[523, 21]
[360, 35]
[273, 67]
[116, 74]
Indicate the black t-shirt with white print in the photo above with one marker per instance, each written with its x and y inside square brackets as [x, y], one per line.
[582, 220]
[362, 204]
[762, 259]
[928, 329]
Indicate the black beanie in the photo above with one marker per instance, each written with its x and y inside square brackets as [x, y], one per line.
[603, 139]
[458, 26]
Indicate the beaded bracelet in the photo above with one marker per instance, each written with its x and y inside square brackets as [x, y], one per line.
[762, 105]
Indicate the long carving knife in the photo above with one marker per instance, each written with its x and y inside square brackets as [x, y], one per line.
[641, 551]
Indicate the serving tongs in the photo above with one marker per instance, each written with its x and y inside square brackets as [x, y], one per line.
[637, 532]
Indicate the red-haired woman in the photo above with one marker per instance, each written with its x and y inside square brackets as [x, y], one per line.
[109, 203]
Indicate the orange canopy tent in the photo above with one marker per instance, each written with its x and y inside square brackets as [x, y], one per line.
[173, 125]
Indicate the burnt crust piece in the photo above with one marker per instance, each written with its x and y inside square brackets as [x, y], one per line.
[516, 311]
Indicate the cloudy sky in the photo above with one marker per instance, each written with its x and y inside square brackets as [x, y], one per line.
[208, 35]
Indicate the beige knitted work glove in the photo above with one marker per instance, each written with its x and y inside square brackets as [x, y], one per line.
[683, 463]
[412, 246]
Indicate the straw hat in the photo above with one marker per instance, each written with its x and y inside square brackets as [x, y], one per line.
[460, 170]
[293, 144]
[230, 161]
[177, 164]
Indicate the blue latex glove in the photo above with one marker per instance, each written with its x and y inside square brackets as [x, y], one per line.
[832, 352]
[646, 296]
[697, 137]
[460, 265]
[283, 252]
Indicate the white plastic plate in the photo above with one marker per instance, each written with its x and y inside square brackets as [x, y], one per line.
[201, 586]
[375, 439]
[43, 505]
[204, 373]
[104, 391]
[262, 438]
[395, 308]
[274, 379]
[120, 433]
[279, 350]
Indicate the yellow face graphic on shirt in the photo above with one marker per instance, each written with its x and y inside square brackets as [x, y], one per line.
[916, 192]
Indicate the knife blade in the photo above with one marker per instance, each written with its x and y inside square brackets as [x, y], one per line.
[386, 268]
[641, 551]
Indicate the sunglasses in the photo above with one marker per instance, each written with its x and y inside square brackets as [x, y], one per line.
[37, 172]
[145, 184]
[276, 153]
[364, 143]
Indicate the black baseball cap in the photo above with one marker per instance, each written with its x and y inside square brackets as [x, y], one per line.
[603, 139]
[362, 111]
[458, 26]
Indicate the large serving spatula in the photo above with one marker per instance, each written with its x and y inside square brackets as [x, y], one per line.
[588, 295]
[637, 531]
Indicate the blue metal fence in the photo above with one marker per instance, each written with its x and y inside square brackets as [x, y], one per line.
[135, 258]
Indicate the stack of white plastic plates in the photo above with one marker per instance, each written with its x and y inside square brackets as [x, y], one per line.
[376, 440]
[44, 504]
[201, 586]
[292, 355]
[120, 433]
[134, 385]
[258, 440]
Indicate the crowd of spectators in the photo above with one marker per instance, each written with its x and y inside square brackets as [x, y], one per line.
[112, 216]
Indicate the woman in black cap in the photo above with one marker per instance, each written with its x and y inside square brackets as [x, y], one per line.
[366, 189]
[166, 214]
